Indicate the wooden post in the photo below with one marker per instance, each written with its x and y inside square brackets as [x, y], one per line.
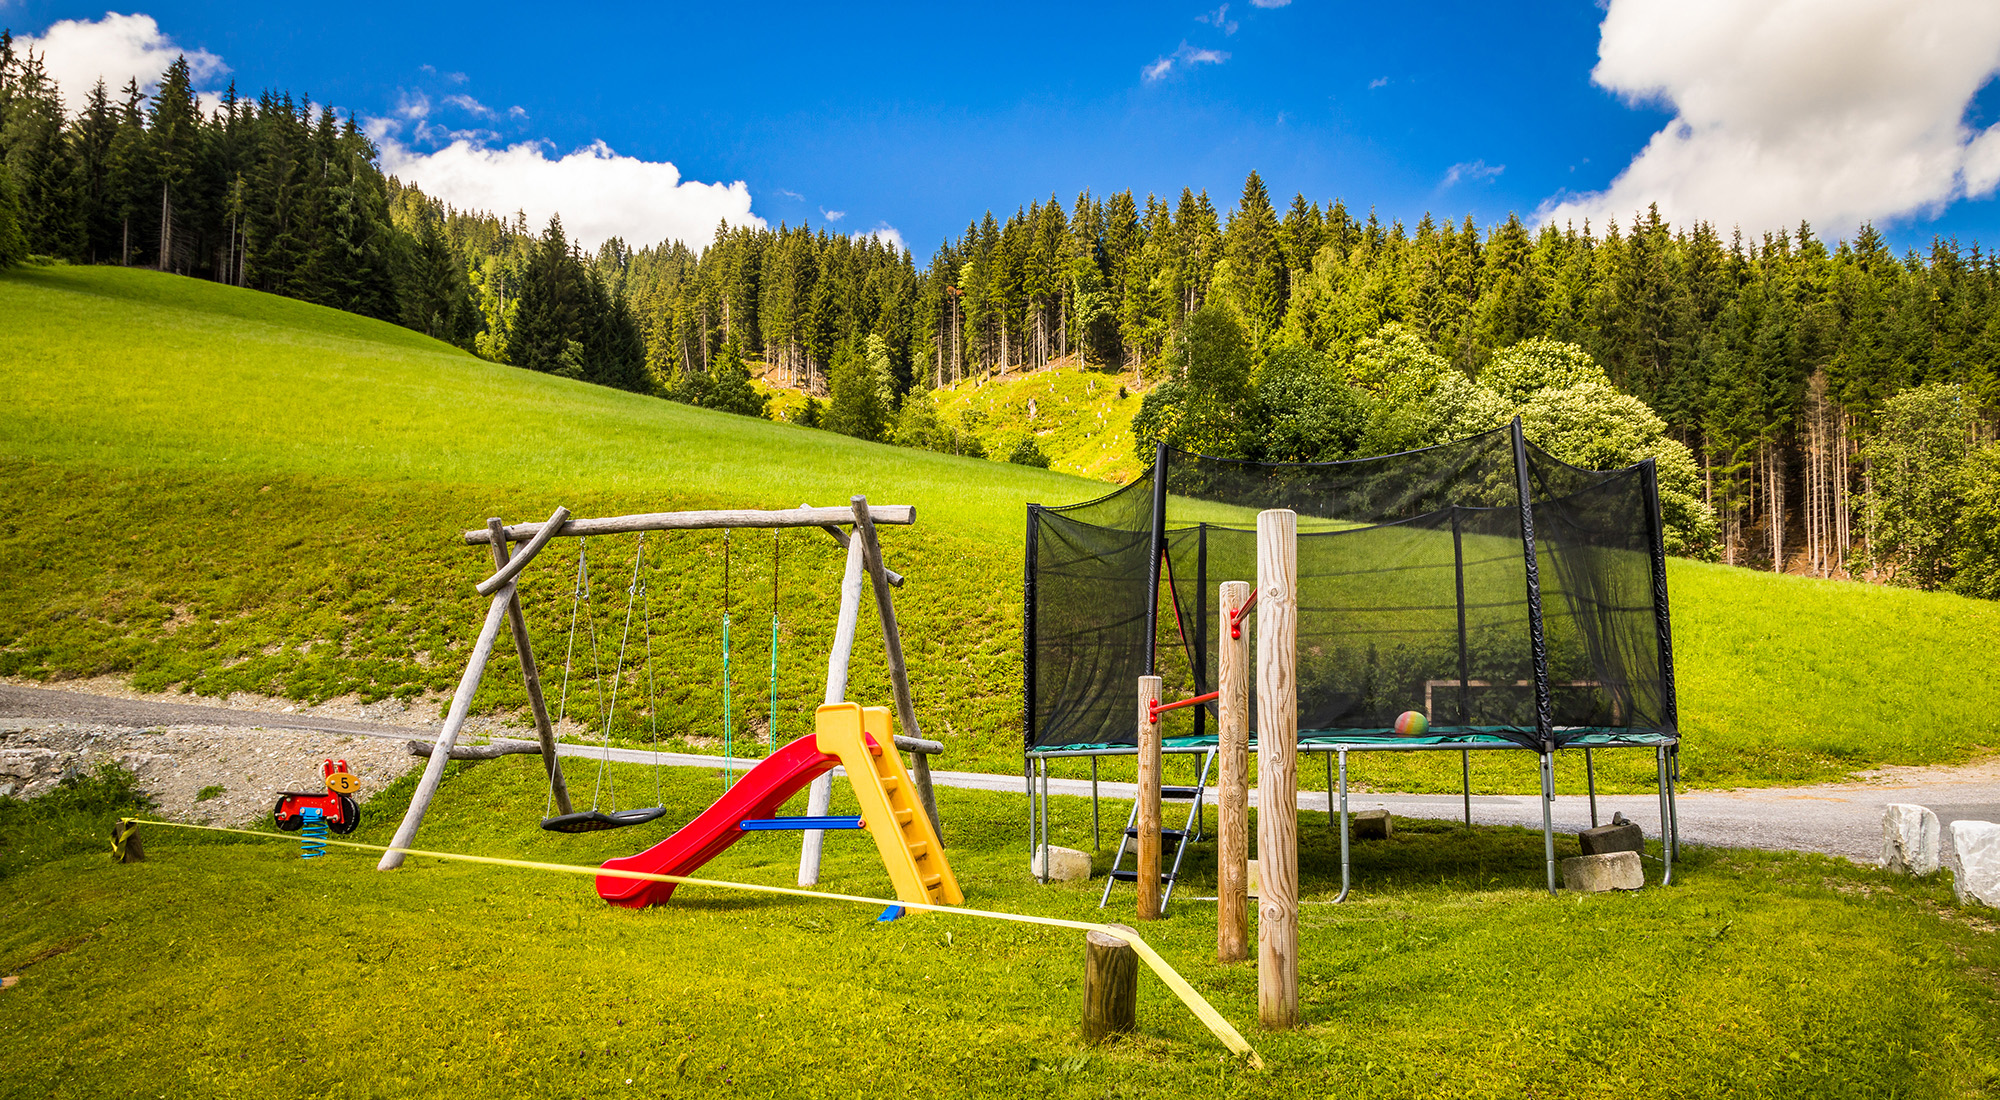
[820, 795]
[1149, 800]
[1110, 986]
[1277, 769]
[1232, 869]
[461, 702]
[892, 641]
[506, 573]
[531, 676]
[125, 844]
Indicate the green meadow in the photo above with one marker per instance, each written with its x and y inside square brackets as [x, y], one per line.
[225, 966]
[216, 490]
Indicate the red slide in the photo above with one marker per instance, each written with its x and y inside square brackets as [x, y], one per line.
[758, 794]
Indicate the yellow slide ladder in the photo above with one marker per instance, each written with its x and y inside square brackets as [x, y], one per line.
[889, 806]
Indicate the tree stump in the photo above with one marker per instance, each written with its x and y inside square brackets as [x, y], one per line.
[125, 844]
[1110, 986]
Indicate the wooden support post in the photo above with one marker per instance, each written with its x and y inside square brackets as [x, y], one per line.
[892, 641]
[820, 796]
[506, 573]
[531, 676]
[461, 703]
[125, 844]
[1110, 986]
[1277, 769]
[1149, 800]
[1232, 917]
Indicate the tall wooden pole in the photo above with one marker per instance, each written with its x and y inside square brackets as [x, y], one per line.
[820, 796]
[1149, 800]
[1277, 768]
[531, 677]
[892, 641]
[461, 704]
[1232, 917]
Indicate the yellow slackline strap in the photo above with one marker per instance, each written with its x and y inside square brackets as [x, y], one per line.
[1195, 1002]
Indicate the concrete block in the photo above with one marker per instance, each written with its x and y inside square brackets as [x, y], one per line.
[1978, 846]
[1910, 838]
[1372, 825]
[1065, 864]
[1620, 836]
[1596, 874]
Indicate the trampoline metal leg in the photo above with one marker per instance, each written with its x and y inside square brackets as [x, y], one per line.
[1096, 830]
[1028, 774]
[1465, 776]
[1590, 779]
[1673, 796]
[1345, 872]
[1045, 820]
[1329, 791]
[1548, 818]
[1666, 818]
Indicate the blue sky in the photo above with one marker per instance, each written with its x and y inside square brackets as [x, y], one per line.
[917, 119]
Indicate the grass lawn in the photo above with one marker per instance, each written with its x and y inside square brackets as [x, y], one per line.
[224, 967]
[223, 490]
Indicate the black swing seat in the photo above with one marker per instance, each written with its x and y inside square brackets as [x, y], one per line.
[596, 821]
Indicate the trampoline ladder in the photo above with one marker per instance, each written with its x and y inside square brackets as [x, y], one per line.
[1179, 838]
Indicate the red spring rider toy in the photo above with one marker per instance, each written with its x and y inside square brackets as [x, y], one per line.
[336, 803]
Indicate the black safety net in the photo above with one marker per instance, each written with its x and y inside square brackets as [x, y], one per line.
[1420, 589]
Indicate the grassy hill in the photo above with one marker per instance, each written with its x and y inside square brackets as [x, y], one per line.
[224, 490]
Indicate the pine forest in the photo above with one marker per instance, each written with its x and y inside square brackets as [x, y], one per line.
[1817, 405]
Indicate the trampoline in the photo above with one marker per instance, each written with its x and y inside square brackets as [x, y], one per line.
[1518, 602]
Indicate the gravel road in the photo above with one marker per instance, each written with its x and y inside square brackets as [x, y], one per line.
[1839, 819]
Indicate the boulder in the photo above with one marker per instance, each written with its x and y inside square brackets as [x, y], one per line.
[1909, 839]
[1065, 864]
[1619, 836]
[1596, 874]
[1978, 846]
[1372, 825]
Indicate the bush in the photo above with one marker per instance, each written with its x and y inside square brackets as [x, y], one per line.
[1026, 453]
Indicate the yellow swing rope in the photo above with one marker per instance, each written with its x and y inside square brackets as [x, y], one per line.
[1195, 1002]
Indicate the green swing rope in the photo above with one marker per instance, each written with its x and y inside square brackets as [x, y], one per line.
[774, 641]
[729, 749]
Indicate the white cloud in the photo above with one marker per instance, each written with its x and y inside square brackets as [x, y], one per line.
[1269, 3]
[116, 48]
[413, 105]
[885, 233]
[1187, 57]
[1219, 19]
[472, 106]
[1378, 82]
[832, 215]
[599, 193]
[1477, 171]
[1836, 111]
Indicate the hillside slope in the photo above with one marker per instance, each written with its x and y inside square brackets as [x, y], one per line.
[229, 491]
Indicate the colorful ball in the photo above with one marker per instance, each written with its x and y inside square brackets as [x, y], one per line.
[1412, 723]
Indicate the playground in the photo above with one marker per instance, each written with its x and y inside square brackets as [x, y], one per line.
[224, 964]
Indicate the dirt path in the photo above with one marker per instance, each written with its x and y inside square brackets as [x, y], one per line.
[244, 737]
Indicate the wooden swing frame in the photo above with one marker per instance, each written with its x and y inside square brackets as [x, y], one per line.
[864, 553]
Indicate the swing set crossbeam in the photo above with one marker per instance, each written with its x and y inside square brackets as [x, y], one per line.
[896, 514]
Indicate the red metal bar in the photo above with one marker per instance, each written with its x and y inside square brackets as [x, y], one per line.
[1154, 717]
[1236, 616]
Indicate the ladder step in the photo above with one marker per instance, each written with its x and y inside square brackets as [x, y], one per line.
[889, 782]
[1133, 876]
[1180, 794]
[931, 881]
[903, 817]
[1165, 834]
[919, 849]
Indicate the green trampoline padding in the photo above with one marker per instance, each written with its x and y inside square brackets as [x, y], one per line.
[1439, 737]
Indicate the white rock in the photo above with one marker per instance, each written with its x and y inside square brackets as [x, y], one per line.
[1610, 871]
[1065, 864]
[1909, 839]
[1978, 847]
